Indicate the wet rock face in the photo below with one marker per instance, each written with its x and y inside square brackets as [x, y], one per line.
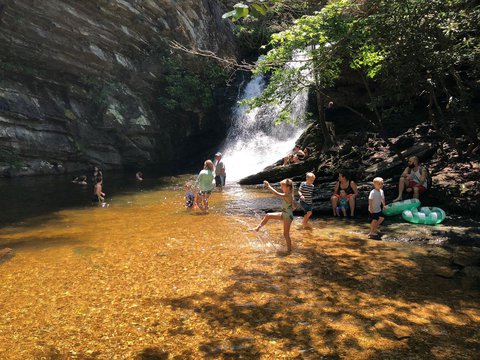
[80, 81]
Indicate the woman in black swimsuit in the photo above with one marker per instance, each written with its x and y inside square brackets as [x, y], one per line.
[344, 183]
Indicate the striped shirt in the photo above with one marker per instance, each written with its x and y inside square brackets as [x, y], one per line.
[307, 192]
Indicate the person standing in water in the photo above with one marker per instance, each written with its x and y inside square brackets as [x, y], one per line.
[286, 215]
[98, 194]
[220, 174]
[305, 192]
[376, 201]
[97, 173]
[204, 184]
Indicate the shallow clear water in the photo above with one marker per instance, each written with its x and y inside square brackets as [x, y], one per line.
[144, 277]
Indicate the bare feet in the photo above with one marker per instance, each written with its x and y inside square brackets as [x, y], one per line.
[254, 229]
[397, 199]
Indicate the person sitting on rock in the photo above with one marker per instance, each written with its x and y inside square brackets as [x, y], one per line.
[413, 179]
[307, 152]
[344, 183]
[295, 157]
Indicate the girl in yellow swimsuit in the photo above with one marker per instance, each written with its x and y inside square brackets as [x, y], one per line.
[286, 215]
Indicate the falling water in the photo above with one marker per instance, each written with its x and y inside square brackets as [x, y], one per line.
[254, 141]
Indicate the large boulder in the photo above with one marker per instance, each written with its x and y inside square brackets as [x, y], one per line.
[82, 83]
[279, 172]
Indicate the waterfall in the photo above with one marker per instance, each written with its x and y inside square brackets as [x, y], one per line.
[254, 141]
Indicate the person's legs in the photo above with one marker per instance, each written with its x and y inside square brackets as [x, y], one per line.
[287, 160]
[200, 200]
[286, 234]
[306, 217]
[206, 201]
[401, 186]
[308, 212]
[416, 192]
[334, 201]
[351, 202]
[266, 218]
[373, 228]
[344, 211]
[223, 178]
[380, 221]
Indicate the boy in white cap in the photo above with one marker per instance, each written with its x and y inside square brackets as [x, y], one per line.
[220, 175]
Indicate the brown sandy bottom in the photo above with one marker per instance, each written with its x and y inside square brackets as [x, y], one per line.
[151, 281]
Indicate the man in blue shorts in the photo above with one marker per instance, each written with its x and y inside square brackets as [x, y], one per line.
[220, 174]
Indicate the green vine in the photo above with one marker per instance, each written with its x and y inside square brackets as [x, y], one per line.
[191, 87]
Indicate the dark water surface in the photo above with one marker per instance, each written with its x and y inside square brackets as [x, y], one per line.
[24, 198]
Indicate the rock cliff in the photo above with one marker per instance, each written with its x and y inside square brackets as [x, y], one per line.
[81, 83]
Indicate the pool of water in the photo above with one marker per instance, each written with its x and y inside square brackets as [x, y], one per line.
[142, 277]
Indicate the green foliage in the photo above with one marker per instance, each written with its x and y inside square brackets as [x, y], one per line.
[405, 49]
[255, 31]
[312, 41]
[69, 114]
[255, 8]
[191, 87]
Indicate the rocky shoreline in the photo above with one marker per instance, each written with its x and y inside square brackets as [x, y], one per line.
[455, 185]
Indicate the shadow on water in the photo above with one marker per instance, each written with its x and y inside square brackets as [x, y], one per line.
[34, 200]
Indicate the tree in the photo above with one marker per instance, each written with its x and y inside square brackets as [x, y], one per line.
[318, 38]
[409, 51]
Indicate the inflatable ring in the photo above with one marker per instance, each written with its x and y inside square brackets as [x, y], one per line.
[396, 208]
[424, 215]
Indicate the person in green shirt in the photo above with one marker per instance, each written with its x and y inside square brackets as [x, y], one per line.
[205, 185]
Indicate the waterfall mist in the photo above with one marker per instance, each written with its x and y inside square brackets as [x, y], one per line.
[254, 141]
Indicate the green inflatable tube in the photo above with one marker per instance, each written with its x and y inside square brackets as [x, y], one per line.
[424, 215]
[397, 207]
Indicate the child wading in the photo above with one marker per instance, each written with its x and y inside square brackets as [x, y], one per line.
[305, 192]
[189, 195]
[98, 194]
[376, 200]
[204, 185]
[288, 205]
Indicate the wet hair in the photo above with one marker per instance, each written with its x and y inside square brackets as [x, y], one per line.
[208, 164]
[98, 179]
